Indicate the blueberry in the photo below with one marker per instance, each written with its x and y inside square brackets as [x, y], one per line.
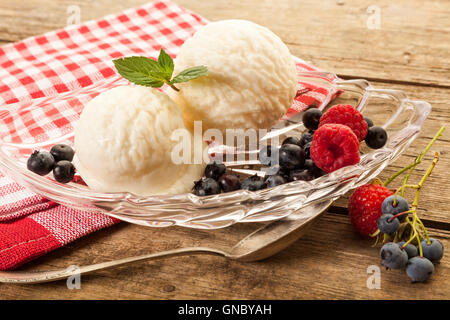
[419, 269]
[311, 167]
[307, 148]
[229, 182]
[41, 162]
[215, 170]
[410, 249]
[392, 257]
[301, 174]
[369, 122]
[292, 140]
[401, 205]
[206, 187]
[253, 183]
[388, 224]
[291, 157]
[62, 152]
[63, 171]
[306, 137]
[376, 137]
[274, 181]
[277, 170]
[268, 155]
[433, 251]
[311, 118]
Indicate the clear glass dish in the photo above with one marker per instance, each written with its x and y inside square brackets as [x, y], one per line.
[20, 135]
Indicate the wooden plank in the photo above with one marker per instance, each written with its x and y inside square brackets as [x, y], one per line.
[331, 261]
[334, 34]
[331, 34]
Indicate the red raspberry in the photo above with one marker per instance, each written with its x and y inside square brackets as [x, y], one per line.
[334, 146]
[347, 115]
[364, 207]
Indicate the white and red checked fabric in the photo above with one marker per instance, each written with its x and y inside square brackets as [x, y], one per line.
[64, 60]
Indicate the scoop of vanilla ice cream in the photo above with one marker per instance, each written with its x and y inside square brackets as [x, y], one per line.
[123, 143]
[251, 82]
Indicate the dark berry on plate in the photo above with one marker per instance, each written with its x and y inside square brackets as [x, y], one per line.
[291, 157]
[306, 137]
[62, 152]
[311, 118]
[347, 115]
[268, 155]
[206, 187]
[369, 122]
[229, 182]
[376, 137]
[433, 251]
[307, 148]
[276, 170]
[63, 171]
[301, 174]
[388, 224]
[215, 170]
[292, 140]
[253, 183]
[410, 249]
[419, 269]
[311, 167]
[392, 257]
[401, 205]
[41, 162]
[334, 146]
[274, 181]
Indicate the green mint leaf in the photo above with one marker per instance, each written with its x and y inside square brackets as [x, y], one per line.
[141, 70]
[190, 74]
[166, 64]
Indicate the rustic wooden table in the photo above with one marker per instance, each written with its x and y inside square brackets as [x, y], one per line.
[409, 49]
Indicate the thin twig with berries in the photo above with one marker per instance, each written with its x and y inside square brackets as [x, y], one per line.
[396, 255]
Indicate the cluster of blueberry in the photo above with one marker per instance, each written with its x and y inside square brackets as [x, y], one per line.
[289, 163]
[417, 260]
[395, 255]
[216, 179]
[57, 160]
[293, 160]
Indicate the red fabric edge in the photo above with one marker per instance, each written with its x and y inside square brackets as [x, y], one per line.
[22, 241]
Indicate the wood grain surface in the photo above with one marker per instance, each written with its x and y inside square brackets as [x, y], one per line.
[410, 51]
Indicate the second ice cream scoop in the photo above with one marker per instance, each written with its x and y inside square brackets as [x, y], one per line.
[251, 81]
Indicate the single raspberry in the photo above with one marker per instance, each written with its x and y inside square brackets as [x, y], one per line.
[347, 115]
[334, 146]
[364, 207]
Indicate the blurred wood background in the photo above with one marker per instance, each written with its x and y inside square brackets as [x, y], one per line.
[401, 44]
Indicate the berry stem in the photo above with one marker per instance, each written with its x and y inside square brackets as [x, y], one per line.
[375, 233]
[415, 218]
[400, 214]
[172, 86]
[424, 230]
[414, 232]
[416, 162]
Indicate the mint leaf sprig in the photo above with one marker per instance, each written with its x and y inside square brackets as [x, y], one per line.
[151, 73]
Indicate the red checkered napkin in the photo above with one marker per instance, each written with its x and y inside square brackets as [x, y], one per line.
[63, 60]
